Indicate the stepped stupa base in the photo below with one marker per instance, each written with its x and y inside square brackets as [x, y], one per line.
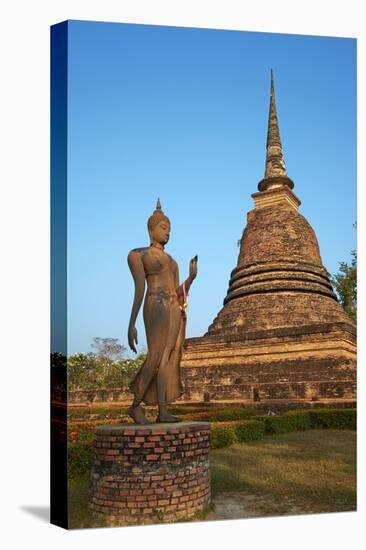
[298, 366]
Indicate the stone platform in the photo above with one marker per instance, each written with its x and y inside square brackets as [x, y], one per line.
[150, 474]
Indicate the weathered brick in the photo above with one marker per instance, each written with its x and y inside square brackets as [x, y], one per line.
[133, 493]
[131, 504]
[166, 483]
[142, 432]
[149, 444]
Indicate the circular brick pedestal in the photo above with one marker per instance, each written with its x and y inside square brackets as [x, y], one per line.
[153, 473]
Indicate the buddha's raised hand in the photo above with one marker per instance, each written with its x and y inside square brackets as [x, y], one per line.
[193, 267]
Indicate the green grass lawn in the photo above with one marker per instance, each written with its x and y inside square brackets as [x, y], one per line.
[79, 514]
[316, 469]
[301, 472]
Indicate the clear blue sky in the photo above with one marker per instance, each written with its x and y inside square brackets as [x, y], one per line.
[181, 114]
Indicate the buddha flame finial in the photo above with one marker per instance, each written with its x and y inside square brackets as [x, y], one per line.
[157, 216]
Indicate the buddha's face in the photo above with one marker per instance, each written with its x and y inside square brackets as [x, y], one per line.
[161, 232]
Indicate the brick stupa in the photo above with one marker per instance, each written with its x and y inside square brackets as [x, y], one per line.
[281, 335]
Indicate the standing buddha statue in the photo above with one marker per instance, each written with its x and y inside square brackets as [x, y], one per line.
[158, 381]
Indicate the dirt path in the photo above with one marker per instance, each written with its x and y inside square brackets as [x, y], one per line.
[240, 504]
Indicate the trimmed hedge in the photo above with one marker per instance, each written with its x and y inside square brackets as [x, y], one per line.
[344, 419]
[222, 435]
[221, 415]
[225, 432]
[290, 422]
[250, 430]
[184, 410]
[336, 419]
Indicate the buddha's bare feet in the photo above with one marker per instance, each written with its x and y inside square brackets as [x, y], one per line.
[164, 416]
[138, 415]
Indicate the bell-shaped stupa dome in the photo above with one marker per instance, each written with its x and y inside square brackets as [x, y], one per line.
[279, 275]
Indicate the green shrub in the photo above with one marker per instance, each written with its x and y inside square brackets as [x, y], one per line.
[250, 430]
[222, 436]
[338, 419]
[229, 432]
[276, 424]
[220, 415]
[182, 411]
[80, 458]
[86, 434]
[300, 420]
[231, 414]
[290, 422]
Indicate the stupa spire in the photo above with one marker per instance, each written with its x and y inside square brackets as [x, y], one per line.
[275, 164]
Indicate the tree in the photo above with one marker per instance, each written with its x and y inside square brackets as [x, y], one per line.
[108, 348]
[82, 371]
[345, 285]
[108, 352]
[105, 368]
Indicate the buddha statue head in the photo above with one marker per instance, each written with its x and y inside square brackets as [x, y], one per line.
[159, 226]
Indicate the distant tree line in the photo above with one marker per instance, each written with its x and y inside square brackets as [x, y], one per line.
[106, 367]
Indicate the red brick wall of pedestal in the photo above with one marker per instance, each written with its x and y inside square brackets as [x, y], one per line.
[150, 474]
